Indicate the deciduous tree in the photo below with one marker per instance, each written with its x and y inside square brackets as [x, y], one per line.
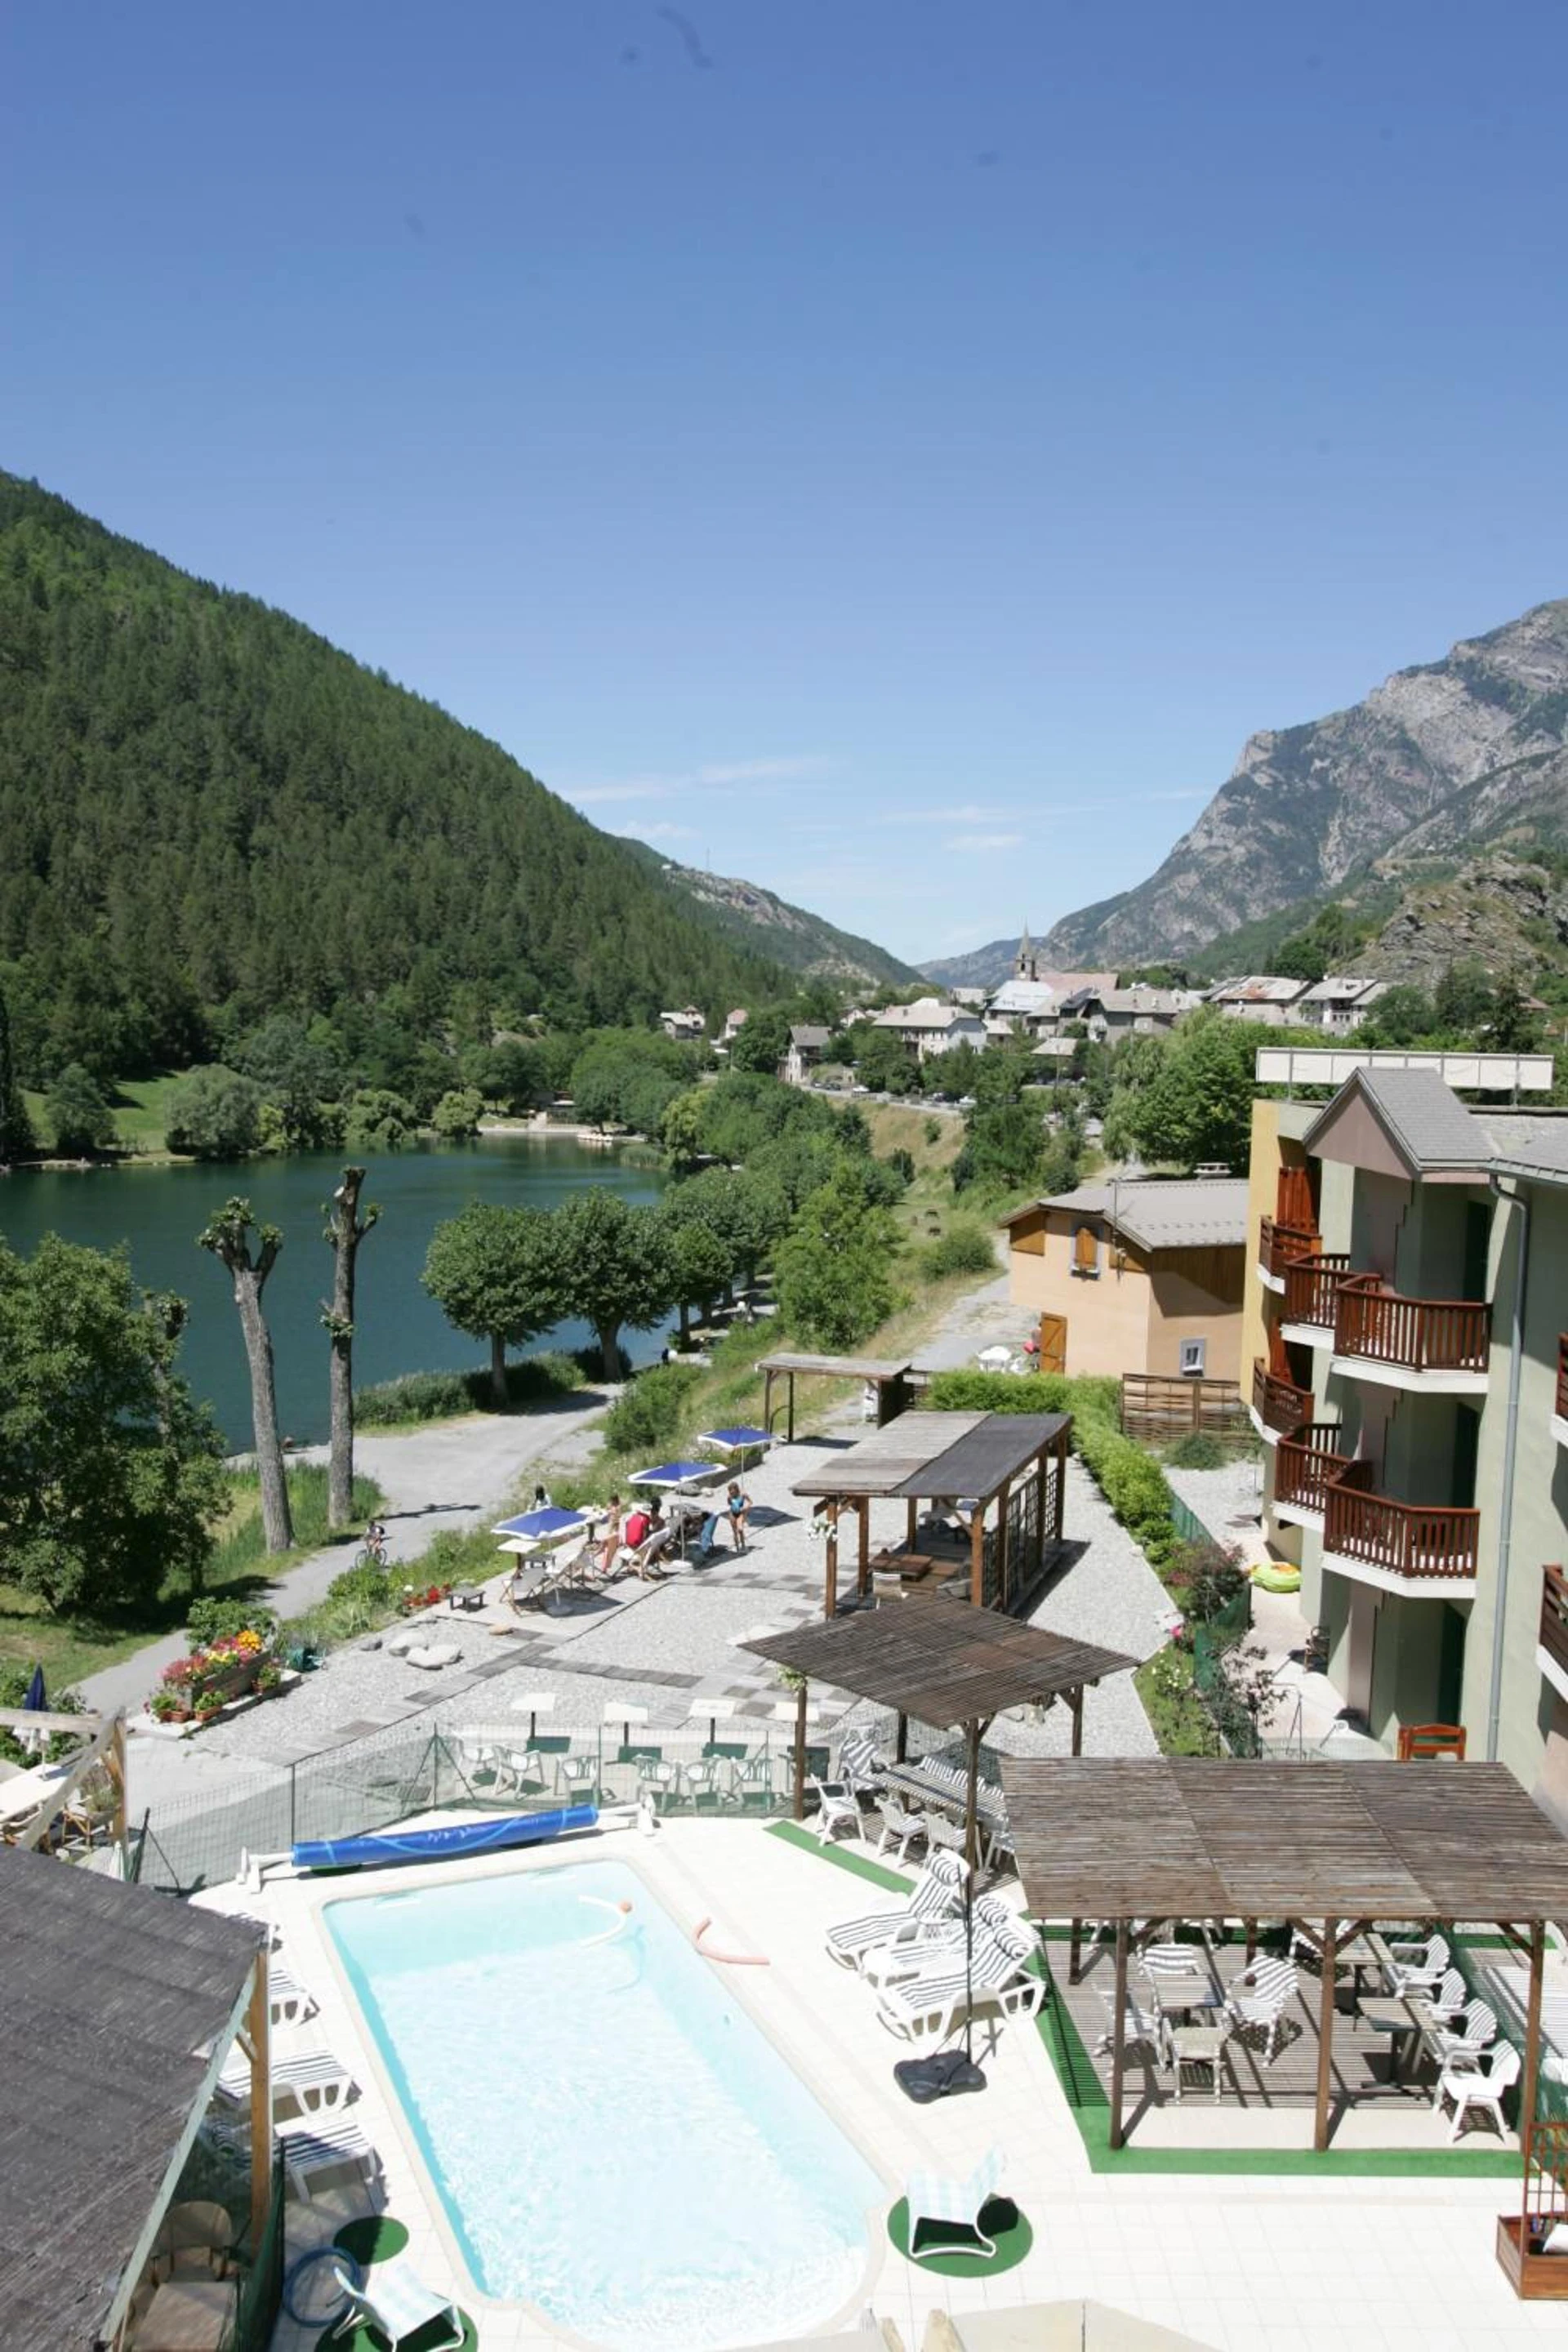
[616, 1267]
[77, 1113]
[496, 1273]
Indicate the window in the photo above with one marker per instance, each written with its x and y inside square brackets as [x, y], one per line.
[1192, 1354]
[1086, 1252]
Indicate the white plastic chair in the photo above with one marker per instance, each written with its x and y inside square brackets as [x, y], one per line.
[837, 1811]
[1138, 2024]
[898, 1827]
[1479, 2079]
[396, 2302]
[1417, 1968]
[1258, 2001]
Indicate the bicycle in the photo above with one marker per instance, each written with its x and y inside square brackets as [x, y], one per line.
[375, 1553]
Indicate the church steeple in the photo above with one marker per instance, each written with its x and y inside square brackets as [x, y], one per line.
[1026, 965]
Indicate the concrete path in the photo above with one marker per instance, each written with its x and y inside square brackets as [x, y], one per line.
[451, 1475]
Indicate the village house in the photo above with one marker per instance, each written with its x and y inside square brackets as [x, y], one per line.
[686, 1027]
[1141, 1276]
[1339, 1005]
[1259, 996]
[1113, 1012]
[929, 1027]
[806, 1047]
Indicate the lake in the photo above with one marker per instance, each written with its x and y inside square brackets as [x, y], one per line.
[397, 1327]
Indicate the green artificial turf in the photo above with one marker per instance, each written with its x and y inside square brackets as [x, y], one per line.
[374, 2238]
[1002, 2224]
[860, 1864]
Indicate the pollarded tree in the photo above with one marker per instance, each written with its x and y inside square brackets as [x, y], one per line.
[616, 1267]
[495, 1273]
[111, 1474]
[227, 1236]
[345, 1231]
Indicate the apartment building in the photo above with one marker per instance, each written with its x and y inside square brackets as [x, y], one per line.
[1406, 1292]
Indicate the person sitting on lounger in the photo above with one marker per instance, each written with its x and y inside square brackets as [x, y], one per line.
[610, 1536]
[636, 1526]
[642, 1556]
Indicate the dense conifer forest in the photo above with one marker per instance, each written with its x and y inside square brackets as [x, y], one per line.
[209, 816]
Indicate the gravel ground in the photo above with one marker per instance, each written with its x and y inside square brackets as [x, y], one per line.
[1229, 1502]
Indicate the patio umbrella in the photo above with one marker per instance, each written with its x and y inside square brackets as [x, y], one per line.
[35, 1703]
[542, 1527]
[674, 1475]
[742, 1439]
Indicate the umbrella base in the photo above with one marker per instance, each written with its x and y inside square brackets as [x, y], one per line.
[941, 2077]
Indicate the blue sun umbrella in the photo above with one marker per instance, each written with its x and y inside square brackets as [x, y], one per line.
[742, 1439]
[674, 1474]
[34, 1701]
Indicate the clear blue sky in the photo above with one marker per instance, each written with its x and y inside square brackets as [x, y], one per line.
[893, 452]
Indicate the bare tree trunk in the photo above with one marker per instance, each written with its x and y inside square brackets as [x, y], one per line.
[609, 1348]
[345, 1231]
[685, 1312]
[229, 1238]
[498, 1369]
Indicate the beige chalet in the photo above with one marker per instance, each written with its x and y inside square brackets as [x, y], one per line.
[1146, 1275]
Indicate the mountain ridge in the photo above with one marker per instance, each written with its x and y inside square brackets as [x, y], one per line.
[807, 943]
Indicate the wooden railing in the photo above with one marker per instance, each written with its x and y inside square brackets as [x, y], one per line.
[1563, 1377]
[1420, 1335]
[1306, 1464]
[1311, 1284]
[1554, 1616]
[1278, 1244]
[1279, 1403]
[1410, 1539]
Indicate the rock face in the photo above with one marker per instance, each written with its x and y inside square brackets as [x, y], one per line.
[770, 926]
[1436, 759]
[1502, 912]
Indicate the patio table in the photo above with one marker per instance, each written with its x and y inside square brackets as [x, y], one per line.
[187, 2314]
[197, 2222]
[1198, 2045]
[1388, 2013]
[1363, 1954]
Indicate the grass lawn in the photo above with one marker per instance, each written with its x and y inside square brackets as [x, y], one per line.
[139, 1108]
[69, 1647]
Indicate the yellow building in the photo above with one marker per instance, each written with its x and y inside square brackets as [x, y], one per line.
[1141, 1277]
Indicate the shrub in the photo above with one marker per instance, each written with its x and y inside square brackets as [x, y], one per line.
[964, 1248]
[211, 1621]
[648, 1414]
[245, 1545]
[439, 1396]
[1199, 1450]
[930, 1127]
[1130, 1480]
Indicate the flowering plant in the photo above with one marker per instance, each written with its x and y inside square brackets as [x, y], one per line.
[207, 1703]
[427, 1597]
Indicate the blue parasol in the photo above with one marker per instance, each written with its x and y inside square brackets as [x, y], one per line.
[34, 1701]
[739, 1440]
[541, 1526]
[674, 1474]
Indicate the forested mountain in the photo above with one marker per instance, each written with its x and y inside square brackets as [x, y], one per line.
[758, 918]
[1438, 760]
[208, 815]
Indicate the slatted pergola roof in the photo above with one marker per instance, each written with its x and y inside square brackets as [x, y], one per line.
[923, 1456]
[942, 1662]
[1214, 1837]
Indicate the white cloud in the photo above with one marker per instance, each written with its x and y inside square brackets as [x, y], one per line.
[648, 788]
[984, 841]
[762, 771]
[653, 785]
[656, 831]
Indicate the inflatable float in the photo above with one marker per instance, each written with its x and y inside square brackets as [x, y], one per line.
[730, 1959]
[444, 1846]
[1277, 1576]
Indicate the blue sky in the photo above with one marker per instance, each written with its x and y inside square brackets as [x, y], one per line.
[893, 452]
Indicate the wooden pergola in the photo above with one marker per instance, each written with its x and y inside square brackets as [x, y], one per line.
[946, 1664]
[118, 2008]
[977, 1458]
[890, 1380]
[102, 1738]
[1331, 1849]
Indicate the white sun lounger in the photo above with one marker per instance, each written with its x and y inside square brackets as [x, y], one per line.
[928, 2008]
[935, 1893]
[948, 2210]
[317, 2145]
[396, 2302]
[926, 1945]
[313, 2078]
[286, 1997]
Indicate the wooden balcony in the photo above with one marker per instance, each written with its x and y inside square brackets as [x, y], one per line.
[1278, 1404]
[1311, 1284]
[1278, 1244]
[1307, 1464]
[1380, 1325]
[1402, 1539]
[1554, 1617]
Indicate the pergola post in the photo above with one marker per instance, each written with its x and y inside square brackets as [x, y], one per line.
[1326, 2037]
[901, 1742]
[258, 2033]
[1002, 1533]
[1040, 1461]
[911, 1523]
[1075, 1703]
[1062, 1485]
[767, 1401]
[977, 1558]
[800, 1749]
[863, 1565]
[830, 1561]
[1118, 2034]
[1527, 2089]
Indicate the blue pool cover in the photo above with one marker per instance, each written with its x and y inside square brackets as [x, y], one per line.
[444, 1846]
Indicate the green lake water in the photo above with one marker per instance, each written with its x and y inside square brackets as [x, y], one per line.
[159, 1212]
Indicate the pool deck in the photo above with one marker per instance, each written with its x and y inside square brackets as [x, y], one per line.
[1270, 2260]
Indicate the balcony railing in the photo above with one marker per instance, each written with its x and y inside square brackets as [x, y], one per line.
[1311, 1284]
[1278, 1244]
[1409, 1539]
[1419, 1335]
[1307, 1464]
[1563, 1377]
[1554, 1616]
[1279, 1403]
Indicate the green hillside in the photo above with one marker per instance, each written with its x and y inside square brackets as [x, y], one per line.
[759, 919]
[208, 815]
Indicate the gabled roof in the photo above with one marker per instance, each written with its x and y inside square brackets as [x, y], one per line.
[926, 1013]
[1529, 1144]
[1155, 1212]
[1424, 1120]
[1256, 988]
[109, 1995]
[1346, 987]
[810, 1039]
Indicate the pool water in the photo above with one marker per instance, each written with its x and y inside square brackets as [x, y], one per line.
[614, 2139]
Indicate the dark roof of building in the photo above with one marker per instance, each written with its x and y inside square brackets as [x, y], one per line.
[1214, 1838]
[922, 1456]
[107, 1995]
[809, 1037]
[1529, 1144]
[1422, 1116]
[942, 1662]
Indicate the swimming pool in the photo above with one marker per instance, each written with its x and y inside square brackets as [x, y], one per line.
[613, 2138]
